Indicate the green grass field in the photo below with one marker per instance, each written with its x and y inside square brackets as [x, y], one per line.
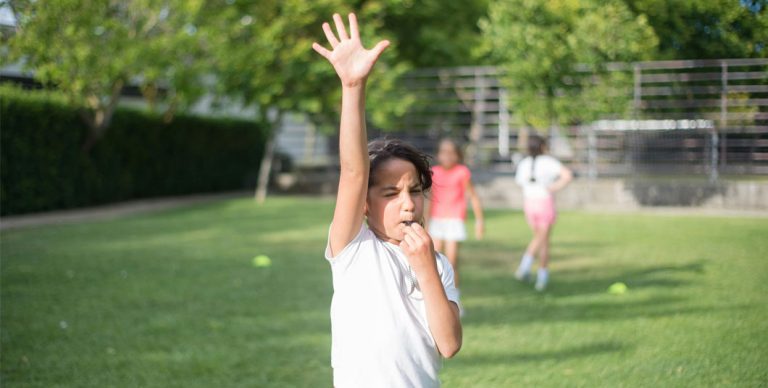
[172, 299]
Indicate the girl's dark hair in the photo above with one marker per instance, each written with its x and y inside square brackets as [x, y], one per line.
[456, 147]
[536, 145]
[382, 150]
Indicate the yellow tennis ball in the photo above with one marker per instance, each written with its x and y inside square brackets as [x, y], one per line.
[262, 261]
[617, 288]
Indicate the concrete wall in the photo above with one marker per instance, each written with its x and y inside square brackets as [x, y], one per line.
[500, 191]
[626, 194]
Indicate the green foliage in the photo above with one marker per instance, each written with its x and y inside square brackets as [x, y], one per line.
[41, 167]
[702, 29]
[437, 33]
[262, 54]
[173, 299]
[90, 50]
[540, 43]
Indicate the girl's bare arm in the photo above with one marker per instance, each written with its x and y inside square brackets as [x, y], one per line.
[477, 208]
[566, 176]
[353, 63]
[442, 314]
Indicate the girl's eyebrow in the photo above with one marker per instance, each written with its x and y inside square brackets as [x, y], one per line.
[395, 188]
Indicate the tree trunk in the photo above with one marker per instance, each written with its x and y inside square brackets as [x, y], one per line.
[100, 116]
[472, 153]
[265, 169]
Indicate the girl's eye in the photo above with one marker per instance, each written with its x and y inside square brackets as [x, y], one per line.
[390, 194]
[416, 191]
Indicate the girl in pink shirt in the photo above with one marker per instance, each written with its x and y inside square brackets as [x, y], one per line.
[452, 181]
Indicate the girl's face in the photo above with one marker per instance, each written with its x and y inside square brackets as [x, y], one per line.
[395, 197]
[447, 154]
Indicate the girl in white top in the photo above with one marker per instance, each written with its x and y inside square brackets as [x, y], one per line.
[395, 309]
[540, 176]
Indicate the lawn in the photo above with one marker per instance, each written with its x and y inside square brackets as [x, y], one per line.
[172, 299]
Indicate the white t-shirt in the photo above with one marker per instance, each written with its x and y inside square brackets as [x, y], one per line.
[379, 327]
[546, 170]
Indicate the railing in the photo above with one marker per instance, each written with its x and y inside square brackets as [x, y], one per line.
[731, 95]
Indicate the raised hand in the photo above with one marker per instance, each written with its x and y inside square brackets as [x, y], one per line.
[352, 62]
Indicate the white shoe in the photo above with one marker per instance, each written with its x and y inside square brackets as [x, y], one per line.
[522, 275]
[541, 284]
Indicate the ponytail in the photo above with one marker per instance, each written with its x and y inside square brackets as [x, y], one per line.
[536, 146]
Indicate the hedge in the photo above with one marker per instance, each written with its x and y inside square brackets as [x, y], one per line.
[42, 166]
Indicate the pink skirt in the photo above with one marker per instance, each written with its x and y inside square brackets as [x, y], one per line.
[540, 212]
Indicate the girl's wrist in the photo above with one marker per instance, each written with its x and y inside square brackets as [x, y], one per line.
[427, 274]
[353, 85]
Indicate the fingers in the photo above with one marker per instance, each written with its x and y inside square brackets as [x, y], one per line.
[353, 31]
[419, 230]
[418, 235]
[329, 35]
[411, 241]
[321, 50]
[379, 48]
[340, 27]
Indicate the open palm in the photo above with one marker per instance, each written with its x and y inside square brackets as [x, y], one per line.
[352, 61]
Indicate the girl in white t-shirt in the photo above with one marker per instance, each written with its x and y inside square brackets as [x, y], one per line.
[395, 310]
[540, 176]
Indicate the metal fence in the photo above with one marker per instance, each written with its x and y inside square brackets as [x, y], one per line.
[698, 117]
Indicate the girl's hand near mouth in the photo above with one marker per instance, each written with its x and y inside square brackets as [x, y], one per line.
[418, 248]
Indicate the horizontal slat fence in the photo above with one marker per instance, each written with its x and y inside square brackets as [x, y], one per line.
[470, 103]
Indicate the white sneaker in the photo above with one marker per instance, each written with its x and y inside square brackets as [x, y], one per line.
[522, 275]
[541, 283]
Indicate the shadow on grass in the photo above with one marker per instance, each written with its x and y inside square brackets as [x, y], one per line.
[503, 300]
[574, 282]
[586, 281]
[558, 355]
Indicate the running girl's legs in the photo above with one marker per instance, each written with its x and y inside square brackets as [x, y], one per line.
[542, 275]
[538, 246]
[539, 238]
[544, 246]
[452, 252]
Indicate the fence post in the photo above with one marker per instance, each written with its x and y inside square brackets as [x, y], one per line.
[723, 95]
[637, 90]
[503, 123]
[723, 111]
[478, 111]
[714, 137]
[591, 152]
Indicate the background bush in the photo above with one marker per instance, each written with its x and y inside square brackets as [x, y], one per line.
[42, 166]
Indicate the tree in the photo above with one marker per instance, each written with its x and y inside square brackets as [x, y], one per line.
[264, 58]
[437, 33]
[90, 50]
[540, 43]
[707, 29]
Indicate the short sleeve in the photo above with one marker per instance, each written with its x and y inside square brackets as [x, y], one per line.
[554, 166]
[446, 277]
[522, 172]
[349, 251]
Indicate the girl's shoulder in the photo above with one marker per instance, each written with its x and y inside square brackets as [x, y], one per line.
[459, 167]
[550, 159]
